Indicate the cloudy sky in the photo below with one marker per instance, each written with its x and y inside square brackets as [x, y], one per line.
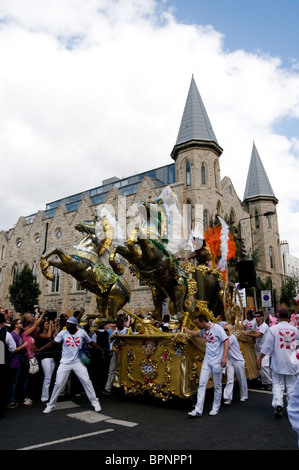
[91, 89]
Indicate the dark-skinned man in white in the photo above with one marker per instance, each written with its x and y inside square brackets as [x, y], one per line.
[72, 339]
[215, 359]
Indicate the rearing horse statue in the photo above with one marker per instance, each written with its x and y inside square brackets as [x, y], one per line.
[150, 260]
[87, 262]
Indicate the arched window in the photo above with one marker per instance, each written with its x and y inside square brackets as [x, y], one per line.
[216, 174]
[188, 174]
[205, 219]
[219, 208]
[0, 275]
[256, 218]
[14, 272]
[203, 174]
[35, 270]
[2, 252]
[56, 279]
[188, 215]
[271, 257]
[232, 217]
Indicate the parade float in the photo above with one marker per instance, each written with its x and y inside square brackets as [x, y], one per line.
[191, 272]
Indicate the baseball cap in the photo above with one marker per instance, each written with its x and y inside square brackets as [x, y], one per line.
[72, 320]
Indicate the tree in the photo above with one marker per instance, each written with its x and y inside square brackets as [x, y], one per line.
[24, 291]
[289, 290]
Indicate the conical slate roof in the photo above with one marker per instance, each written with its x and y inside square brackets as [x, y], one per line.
[195, 123]
[257, 183]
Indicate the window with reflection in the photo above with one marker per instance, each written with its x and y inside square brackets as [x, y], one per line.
[271, 257]
[203, 174]
[257, 220]
[56, 280]
[205, 219]
[188, 174]
[15, 272]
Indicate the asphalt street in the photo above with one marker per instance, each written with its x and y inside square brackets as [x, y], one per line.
[143, 423]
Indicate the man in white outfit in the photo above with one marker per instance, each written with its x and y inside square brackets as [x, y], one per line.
[72, 339]
[280, 345]
[215, 359]
[235, 365]
[260, 334]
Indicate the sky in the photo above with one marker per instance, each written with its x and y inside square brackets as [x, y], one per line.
[91, 89]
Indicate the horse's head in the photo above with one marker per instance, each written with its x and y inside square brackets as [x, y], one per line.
[87, 227]
[97, 231]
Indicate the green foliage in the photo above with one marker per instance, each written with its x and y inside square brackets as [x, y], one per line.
[289, 290]
[24, 291]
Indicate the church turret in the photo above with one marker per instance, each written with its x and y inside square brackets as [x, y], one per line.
[196, 155]
[261, 202]
[195, 129]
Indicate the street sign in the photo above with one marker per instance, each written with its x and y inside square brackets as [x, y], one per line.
[242, 293]
[266, 298]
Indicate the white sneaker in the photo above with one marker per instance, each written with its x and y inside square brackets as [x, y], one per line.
[213, 413]
[97, 407]
[27, 402]
[227, 402]
[243, 399]
[194, 414]
[49, 409]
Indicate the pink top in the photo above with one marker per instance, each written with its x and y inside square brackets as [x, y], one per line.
[31, 342]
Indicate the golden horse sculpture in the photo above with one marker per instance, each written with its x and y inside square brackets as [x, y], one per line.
[153, 264]
[87, 262]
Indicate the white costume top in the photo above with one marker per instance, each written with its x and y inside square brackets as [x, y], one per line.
[279, 345]
[249, 324]
[10, 342]
[264, 329]
[215, 337]
[71, 344]
[234, 352]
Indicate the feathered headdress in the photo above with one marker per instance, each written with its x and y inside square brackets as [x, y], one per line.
[221, 244]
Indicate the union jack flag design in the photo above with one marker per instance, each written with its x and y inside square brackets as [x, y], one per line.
[72, 342]
[209, 337]
[286, 337]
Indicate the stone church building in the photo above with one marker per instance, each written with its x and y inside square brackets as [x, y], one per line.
[195, 177]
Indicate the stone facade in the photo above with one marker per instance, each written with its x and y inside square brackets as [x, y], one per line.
[199, 188]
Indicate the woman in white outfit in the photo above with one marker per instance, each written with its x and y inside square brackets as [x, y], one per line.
[47, 359]
[235, 365]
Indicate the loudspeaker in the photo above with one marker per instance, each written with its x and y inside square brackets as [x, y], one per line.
[247, 274]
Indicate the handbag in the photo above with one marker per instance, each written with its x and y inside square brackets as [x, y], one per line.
[33, 365]
[84, 356]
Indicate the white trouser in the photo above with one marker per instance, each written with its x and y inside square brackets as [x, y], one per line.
[48, 366]
[293, 409]
[238, 368]
[206, 370]
[281, 383]
[81, 372]
[265, 371]
[111, 373]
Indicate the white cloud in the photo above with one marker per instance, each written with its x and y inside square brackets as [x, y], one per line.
[96, 89]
